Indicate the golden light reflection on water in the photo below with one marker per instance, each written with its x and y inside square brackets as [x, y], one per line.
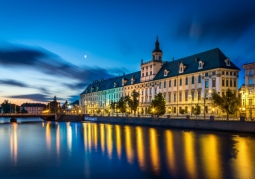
[194, 155]
[211, 157]
[118, 140]
[95, 135]
[190, 156]
[242, 165]
[58, 140]
[89, 136]
[170, 155]
[69, 135]
[129, 149]
[102, 137]
[140, 148]
[109, 140]
[154, 151]
[85, 136]
[14, 143]
[48, 137]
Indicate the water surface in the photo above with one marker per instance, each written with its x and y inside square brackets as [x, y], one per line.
[93, 150]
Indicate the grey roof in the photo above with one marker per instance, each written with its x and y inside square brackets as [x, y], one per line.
[33, 105]
[212, 59]
[113, 82]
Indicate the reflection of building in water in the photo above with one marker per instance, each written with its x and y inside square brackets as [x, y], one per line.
[118, 140]
[102, 137]
[85, 135]
[89, 136]
[140, 148]
[69, 135]
[243, 167]
[109, 140]
[155, 160]
[48, 137]
[211, 157]
[58, 140]
[95, 135]
[129, 149]
[170, 155]
[190, 156]
[14, 143]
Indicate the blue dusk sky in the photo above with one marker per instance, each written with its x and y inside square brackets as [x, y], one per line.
[43, 44]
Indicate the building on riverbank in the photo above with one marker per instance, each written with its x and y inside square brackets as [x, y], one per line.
[183, 82]
[247, 91]
[33, 108]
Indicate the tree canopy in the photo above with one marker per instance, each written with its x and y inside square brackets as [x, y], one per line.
[228, 103]
[158, 105]
[133, 101]
[121, 105]
[197, 110]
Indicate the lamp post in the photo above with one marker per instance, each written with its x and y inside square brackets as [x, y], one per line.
[190, 105]
[209, 92]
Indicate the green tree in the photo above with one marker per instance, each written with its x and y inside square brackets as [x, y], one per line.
[113, 105]
[122, 105]
[228, 103]
[133, 101]
[7, 107]
[197, 110]
[182, 111]
[158, 105]
[98, 111]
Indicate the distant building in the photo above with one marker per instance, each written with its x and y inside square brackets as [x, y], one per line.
[33, 108]
[54, 106]
[247, 91]
[183, 83]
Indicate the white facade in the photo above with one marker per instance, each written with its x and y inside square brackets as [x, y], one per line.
[182, 82]
[247, 92]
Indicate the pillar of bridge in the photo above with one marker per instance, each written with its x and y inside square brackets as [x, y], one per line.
[13, 119]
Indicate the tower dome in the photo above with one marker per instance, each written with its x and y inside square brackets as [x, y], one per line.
[157, 53]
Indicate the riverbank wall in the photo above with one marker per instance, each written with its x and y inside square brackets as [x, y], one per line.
[65, 118]
[227, 126]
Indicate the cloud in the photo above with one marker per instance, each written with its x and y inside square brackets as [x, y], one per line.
[33, 97]
[222, 21]
[13, 83]
[50, 64]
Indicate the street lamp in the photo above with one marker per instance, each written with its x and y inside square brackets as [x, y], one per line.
[169, 110]
[153, 110]
[209, 92]
[213, 110]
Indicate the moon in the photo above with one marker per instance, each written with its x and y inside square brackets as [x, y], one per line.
[85, 56]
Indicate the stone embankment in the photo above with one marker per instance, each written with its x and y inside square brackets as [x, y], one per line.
[65, 118]
[227, 126]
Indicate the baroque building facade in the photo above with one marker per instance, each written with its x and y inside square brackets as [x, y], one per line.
[184, 83]
[247, 92]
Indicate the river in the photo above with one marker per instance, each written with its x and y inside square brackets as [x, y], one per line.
[92, 150]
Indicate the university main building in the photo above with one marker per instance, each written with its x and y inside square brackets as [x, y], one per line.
[183, 83]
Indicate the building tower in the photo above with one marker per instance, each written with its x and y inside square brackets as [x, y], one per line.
[150, 69]
[157, 53]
